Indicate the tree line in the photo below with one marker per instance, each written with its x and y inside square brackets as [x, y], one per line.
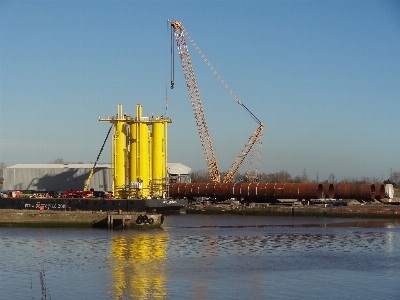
[285, 177]
[279, 177]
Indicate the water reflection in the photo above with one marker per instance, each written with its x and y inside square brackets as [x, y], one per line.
[368, 224]
[275, 243]
[361, 224]
[231, 258]
[138, 265]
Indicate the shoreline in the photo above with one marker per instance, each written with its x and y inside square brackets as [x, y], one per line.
[352, 211]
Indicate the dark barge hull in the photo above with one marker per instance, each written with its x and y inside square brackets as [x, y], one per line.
[91, 204]
[78, 219]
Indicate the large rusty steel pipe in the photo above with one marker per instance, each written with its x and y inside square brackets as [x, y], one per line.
[278, 191]
[357, 191]
[251, 191]
[380, 191]
[268, 191]
[178, 189]
[342, 191]
[367, 191]
[302, 191]
[328, 190]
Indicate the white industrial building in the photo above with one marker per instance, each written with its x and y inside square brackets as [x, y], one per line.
[62, 177]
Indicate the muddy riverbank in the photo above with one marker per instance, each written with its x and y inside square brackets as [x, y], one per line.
[357, 211]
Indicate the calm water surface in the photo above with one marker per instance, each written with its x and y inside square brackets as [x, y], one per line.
[206, 257]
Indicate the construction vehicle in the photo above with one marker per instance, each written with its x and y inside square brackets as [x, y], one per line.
[85, 188]
[83, 194]
[77, 194]
[253, 143]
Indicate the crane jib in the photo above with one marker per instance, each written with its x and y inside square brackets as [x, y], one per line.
[179, 32]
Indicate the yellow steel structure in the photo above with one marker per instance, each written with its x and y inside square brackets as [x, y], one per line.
[158, 158]
[143, 157]
[133, 154]
[156, 161]
[119, 154]
[139, 154]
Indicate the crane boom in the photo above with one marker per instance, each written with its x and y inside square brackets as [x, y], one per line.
[95, 163]
[255, 139]
[197, 107]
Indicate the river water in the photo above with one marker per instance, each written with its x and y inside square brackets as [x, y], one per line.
[206, 257]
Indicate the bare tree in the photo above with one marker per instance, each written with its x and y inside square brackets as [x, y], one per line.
[332, 178]
[200, 176]
[2, 166]
[280, 177]
[297, 179]
[58, 161]
[349, 180]
[304, 177]
[396, 179]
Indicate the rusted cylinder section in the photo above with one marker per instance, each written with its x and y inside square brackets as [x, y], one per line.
[328, 190]
[278, 191]
[258, 190]
[355, 191]
[269, 192]
[367, 191]
[252, 191]
[265, 191]
[379, 191]
[220, 190]
[302, 191]
[200, 190]
[285, 191]
[343, 191]
[177, 190]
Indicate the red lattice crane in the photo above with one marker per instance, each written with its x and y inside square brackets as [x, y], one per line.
[179, 32]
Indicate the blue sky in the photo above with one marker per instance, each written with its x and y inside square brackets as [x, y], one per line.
[323, 77]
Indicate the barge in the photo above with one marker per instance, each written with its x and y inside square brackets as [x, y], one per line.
[87, 212]
[94, 204]
[78, 219]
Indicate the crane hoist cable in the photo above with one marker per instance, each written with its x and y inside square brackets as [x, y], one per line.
[179, 32]
[172, 59]
[220, 78]
[97, 159]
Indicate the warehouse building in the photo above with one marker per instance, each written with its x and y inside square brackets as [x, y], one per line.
[62, 177]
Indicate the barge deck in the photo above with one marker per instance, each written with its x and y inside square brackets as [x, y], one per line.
[96, 204]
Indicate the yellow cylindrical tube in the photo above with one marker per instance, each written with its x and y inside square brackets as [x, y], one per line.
[133, 157]
[144, 157]
[165, 149]
[150, 159]
[119, 155]
[157, 158]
